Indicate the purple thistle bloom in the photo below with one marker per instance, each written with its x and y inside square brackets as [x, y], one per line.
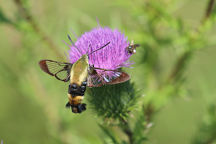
[111, 57]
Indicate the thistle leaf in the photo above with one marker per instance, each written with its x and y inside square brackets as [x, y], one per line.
[109, 134]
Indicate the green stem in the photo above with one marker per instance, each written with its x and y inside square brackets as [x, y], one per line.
[28, 17]
[209, 10]
[127, 130]
[148, 112]
[178, 69]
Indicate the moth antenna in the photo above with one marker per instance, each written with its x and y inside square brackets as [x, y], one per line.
[74, 33]
[99, 48]
[74, 44]
[88, 48]
[67, 56]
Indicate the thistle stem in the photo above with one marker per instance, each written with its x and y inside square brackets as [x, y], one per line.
[178, 69]
[149, 111]
[28, 17]
[209, 9]
[126, 129]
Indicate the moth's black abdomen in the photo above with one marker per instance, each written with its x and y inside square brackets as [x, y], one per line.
[78, 108]
[83, 88]
[74, 86]
[76, 90]
[84, 83]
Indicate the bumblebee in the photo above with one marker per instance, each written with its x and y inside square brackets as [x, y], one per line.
[131, 49]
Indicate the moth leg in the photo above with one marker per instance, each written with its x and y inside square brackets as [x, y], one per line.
[68, 105]
[94, 80]
[101, 79]
[67, 79]
[104, 69]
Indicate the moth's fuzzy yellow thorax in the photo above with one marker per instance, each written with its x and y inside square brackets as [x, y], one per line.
[79, 70]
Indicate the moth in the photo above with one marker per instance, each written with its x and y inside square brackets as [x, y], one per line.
[131, 49]
[80, 75]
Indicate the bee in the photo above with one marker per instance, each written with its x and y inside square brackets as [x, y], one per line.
[131, 49]
[80, 74]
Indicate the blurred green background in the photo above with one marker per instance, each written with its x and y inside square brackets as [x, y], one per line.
[31, 101]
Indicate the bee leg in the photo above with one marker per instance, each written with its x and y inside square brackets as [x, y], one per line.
[68, 105]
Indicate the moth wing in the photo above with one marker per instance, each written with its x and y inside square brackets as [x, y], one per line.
[94, 81]
[122, 78]
[60, 70]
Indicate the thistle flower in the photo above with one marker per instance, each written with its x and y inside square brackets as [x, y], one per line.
[111, 57]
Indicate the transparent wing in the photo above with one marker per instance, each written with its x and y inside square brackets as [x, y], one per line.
[60, 70]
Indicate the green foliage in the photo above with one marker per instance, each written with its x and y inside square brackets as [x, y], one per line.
[159, 30]
[168, 44]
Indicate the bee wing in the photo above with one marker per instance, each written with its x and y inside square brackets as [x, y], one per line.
[97, 81]
[60, 70]
[136, 45]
